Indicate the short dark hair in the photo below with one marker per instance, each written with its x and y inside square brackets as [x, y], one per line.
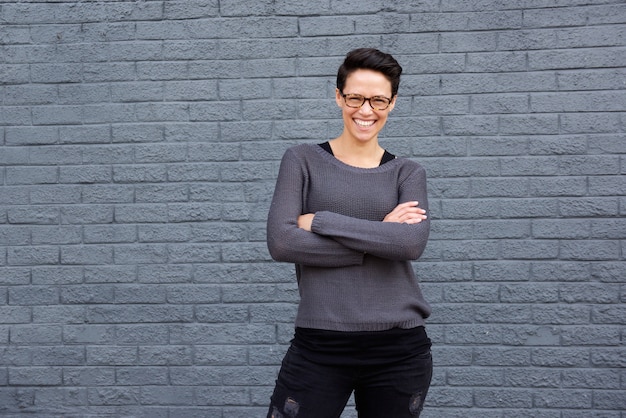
[370, 59]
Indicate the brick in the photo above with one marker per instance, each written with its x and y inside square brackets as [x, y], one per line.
[497, 83]
[564, 59]
[56, 235]
[532, 249]
[529, 125]
[154, 70]
[136, 376]
[15, 73]
[223, 313]
[577, 102]
[31, 175]
[44, 376]
[110, 274]
[14, 235]
[155, 112]
[57, 314]
[241, 8]
[189, 253]
[246, 89]
[55, 73]
[103, 113]
[55, 195]
[190, 9]
[223, 334]
[504, 398]
[607, 271]
[33, 94]
[589, 79]
[606, 185]
[92, 254]
[575, 399]
[149, 193]
[531, 335]
[590, 250]
[607, 229]
[83, 51]
[170, 355]
[188, 50]
[140, 174]
[216, 111]
[16, 115]
[137, 92]
[608, 357]
[566, 229]
[140, 334]
[194, 294]
[56, 275]
[113, 396]
[39, 255]
[137, 133]
[589, 293]
[470, 125]
[139, 313]
[85, 174]
[609, 399]
[282, 67]
[58, 355]
[532, 377]
[88, 376]
[552, 146]
[588, 207]
[468, 42]
[15, 314]
[163, 274]
[590, 123]
[198, 69]
[163, 233]
[558, 186]
[139, 253]
[483, 334]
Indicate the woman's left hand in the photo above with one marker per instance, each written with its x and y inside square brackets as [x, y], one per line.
[305, 221]
[406, 213]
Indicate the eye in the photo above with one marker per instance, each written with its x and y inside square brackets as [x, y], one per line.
[379, 102]
[354, 99]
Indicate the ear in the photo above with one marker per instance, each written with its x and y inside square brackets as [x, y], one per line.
[338, 98]
[393, 103]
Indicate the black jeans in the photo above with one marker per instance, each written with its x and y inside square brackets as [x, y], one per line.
[309, 390]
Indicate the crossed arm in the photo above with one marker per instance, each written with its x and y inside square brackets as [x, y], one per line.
[328, 239]
[404, 213]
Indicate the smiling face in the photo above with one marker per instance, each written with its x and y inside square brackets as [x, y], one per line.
[364, 123]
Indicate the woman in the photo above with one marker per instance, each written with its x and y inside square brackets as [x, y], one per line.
[352, 216]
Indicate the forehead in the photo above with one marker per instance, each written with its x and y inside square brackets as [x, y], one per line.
[367, 81]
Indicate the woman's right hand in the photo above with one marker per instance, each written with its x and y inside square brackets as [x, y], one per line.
[407, 213]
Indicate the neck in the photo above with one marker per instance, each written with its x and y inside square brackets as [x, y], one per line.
[364, 154]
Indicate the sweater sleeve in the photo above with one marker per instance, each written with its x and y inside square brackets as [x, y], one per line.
[390, 240]
[285, 240]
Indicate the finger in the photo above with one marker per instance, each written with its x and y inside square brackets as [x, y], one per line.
[411, 203]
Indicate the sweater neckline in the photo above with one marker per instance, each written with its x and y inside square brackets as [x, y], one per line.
[338, 163]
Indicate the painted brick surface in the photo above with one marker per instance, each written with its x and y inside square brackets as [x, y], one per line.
[139, 144]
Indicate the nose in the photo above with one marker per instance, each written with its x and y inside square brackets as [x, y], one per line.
[366, 108]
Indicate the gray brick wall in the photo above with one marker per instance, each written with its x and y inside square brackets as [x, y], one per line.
[139, 144]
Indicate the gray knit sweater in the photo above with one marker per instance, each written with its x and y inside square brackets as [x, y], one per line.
[354, 271]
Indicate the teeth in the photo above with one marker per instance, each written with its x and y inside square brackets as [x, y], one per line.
[364, 123]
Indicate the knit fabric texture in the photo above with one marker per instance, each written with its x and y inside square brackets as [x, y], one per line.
[354, 271]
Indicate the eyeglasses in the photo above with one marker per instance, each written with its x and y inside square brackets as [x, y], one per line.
[376, 102]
